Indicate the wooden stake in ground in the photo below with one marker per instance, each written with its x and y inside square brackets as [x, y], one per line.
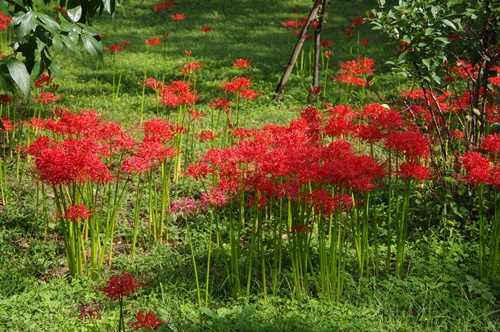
[315, 88]
[296, 51]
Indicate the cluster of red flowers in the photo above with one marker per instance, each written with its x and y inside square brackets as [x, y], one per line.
[82, 155]
[355, 22]
[483, 168]
[120, 286]
[47, 98]
[480, 170]
[118, 47]
[242, 64]
[146, 321]
[177, 93]
[162, 6]
[280, 161]
[154, 148]
[43, 80]
[76, 212]
[190, 68]
[178, 17]
[240, 86]
[4, 22]
[354, 72]
[6, 125]
[152, 41]
[206, 28]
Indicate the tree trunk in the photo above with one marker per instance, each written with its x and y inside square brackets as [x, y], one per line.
[296, 51]
[313, 92]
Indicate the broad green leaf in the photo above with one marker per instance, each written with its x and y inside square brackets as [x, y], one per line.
[110, 5]
[24, 23]
[36, 71]
[57, 43]
[71, 45]
[75, 13]
[450, 24]
[20, 75]
[49, 23]
[92, 46]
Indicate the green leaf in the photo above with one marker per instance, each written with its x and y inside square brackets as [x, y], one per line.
[92, 46]
[75, 14]
[20, 75]
[71, 45]
[450, 24]
[49, 24]
[110, 5]
[24, 23]
[57, 43]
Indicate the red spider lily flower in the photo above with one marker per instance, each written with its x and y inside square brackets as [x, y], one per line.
[190, 68]
[186, 206]
[152, 41]
[206, 135]
[242, 63]
[360, 66]
[70, 161]
[357, 21]
[145, 321]
[465, 70]
[365, 41]
[43, 80]
[491, 143]
[47, 98]
[495, 80]
[137, 164]
[206, 28]
[90, 311]
[412, 144]
[457, 134]
[250, 94]
[348, 32]
[158, 7]
[237, 85]
[195, 115]
[215, 197]
[309, 36]
[178, 17]
[328, 54]
[198, 170]
[153, 83]
[159, 130]
[76, 212]
[477, 167]
[188, 53]
[120, 286]
[289, 24]
[124, 44]
[4, 22]
[295, 11]
[168, 4]
[178, 93]
[114, 48]
[414, 170]
[6, 124]
[351, 80]
[326, 43]
[219, 103]
[316, 90]
[5, 99]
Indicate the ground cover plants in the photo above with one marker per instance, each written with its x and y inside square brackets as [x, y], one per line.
[166, 189]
